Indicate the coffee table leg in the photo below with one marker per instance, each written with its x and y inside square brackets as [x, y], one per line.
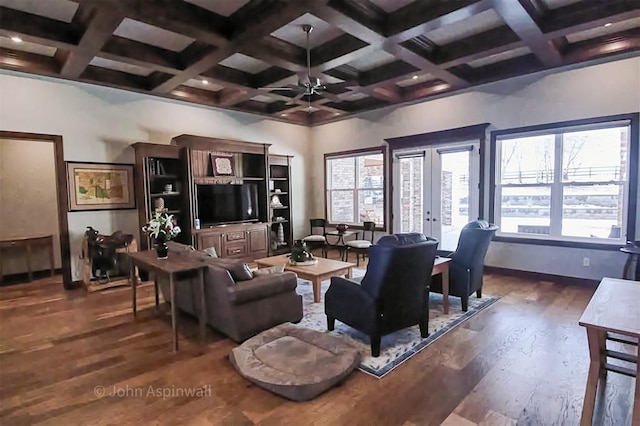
[134, 286]
[316, 290]
[349, 273]
[445, 289]
[157, 295]
[174, 325]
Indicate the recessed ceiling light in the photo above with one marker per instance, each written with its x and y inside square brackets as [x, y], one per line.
[608, 24]
[16, 39]
[283, 115]
[205, 82]
[414, 77]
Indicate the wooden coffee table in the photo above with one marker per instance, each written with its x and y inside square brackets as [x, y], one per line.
[324, 269]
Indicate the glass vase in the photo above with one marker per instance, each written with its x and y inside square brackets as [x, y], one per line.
[161, 246]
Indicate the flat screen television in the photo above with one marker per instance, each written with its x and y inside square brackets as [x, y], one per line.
[227, 203]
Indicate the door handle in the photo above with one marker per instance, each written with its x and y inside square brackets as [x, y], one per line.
[434, 219]
[427, 219]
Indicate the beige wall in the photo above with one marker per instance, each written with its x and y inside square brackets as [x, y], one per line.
[98, 124]
[606, 89]
[28, 200]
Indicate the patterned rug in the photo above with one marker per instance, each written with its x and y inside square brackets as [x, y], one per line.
[396, 347]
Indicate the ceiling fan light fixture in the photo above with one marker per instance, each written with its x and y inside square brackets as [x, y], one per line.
[16, 39]
[415, 77]
[205, 82]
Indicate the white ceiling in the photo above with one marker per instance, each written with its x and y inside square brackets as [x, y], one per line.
[321, 33]
[391, 5]
[373, 60]
[26, 46]
[119, 66]
[245, 63]
[476, 24]
[221, 7]
[421, 78]
[154, 36]
[60, 10]
[197, 83]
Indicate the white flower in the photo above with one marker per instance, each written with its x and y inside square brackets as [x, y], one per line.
[162, 224]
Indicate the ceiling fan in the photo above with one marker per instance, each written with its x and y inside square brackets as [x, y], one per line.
[307, 85]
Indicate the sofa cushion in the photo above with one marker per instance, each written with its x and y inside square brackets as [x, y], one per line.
[211, 252]
[239, 270]
[267, 271]
[262, 287]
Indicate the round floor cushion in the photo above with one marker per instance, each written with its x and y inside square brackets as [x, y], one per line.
[295, 362]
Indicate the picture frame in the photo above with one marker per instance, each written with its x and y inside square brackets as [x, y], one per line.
[100, 186]
[223, 165]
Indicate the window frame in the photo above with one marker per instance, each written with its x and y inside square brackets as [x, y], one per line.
[631, 187]
[354, 154]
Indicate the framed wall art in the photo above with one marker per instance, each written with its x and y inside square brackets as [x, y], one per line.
[100, 186]
[223, 165]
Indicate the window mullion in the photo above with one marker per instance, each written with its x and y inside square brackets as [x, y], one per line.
[555, 228]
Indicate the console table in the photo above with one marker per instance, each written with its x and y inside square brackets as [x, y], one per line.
[27, 244]
[612, 314]
[174, 264]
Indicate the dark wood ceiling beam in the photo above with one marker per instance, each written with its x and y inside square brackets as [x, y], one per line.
[349, 25]
[28, 62]
[339, 48]
[611, 44]
[114, 78]
[258, 27]
[577, 17]
[421, 17]
[140, 54]
[516, 17]
[97, 24]
[423, 90]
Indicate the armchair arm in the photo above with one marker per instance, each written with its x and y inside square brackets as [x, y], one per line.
[346, 289]
[348, 302]
[262, 287]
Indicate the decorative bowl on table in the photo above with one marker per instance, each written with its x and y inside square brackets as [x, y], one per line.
[300, 253]
[342, 227]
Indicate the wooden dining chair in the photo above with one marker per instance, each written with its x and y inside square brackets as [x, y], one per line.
[361, 247]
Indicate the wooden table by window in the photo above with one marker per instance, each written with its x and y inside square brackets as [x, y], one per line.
[174, 264]
[441, 266]
[612, 309]
[27, 244]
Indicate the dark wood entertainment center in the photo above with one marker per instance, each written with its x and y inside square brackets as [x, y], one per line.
[187, 163]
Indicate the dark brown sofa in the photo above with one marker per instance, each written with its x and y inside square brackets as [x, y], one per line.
[238, 309]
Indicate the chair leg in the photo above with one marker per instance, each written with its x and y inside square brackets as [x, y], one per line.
[357, 259]
[424, 327]
[331, 323]
[479, 293]
[346, 255]
[375, 346]
[465, 303]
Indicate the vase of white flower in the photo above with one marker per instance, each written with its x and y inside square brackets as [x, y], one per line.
[162, 228]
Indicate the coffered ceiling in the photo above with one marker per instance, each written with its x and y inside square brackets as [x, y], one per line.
[368, 53]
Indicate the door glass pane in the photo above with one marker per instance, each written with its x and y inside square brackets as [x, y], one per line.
[371, 207]
[593, 211]
[342, 207]
[526, 210]
[454, 196]
[411, 194]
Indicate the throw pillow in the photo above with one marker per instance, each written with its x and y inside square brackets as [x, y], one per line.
[268, 271]
[211, 251]
[240, 272]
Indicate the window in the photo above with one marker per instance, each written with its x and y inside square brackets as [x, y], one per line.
[566, 182]
[355, 187]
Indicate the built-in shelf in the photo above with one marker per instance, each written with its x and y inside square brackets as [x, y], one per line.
[279, 193]
[164, 176]
[164, 194]
[279, 207]
[173, 211]
[278, 178]
[279, 221]
[252, 178]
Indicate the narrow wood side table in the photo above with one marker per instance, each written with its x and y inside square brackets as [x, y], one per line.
[174, 264]
[441, 266]
[612, 309]
[27, 243]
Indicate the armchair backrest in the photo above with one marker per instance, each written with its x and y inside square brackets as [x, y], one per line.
[473, 243]
[398, 275]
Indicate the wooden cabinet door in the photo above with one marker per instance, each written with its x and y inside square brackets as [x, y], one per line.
[258, 239]
[213, 239]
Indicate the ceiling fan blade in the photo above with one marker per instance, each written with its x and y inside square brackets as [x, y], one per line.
[330, 96]
[294, 99]
[276, 88]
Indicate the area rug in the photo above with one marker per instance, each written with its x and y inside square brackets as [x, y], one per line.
[396, 347]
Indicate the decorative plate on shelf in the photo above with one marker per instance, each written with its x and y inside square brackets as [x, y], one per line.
[305, 263]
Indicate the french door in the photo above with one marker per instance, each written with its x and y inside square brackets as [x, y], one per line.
[435, 191]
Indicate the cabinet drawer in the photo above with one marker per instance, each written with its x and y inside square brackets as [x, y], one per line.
[235, 236]
[235, 250]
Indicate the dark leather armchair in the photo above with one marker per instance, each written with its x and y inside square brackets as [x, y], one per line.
[467, 265]
[393, 294]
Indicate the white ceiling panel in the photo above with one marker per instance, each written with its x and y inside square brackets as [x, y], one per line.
[293, 33]
[391, 5]
[264, 99]
[199, 83]
[154, 36]
[476, 24]
[373, 60]
[26, 46]
[245, 63]
[615, 27]
[221, 7]
[119, 66]
[60, 10]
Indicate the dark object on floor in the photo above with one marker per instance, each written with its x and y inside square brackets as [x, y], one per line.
[394, 293]
[296, 363]
[467, 266]
[632, 249]
[101, 250]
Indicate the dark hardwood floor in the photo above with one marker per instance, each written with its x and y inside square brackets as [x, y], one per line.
[67, 357]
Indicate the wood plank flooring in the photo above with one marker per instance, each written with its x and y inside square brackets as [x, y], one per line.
[67, 357]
